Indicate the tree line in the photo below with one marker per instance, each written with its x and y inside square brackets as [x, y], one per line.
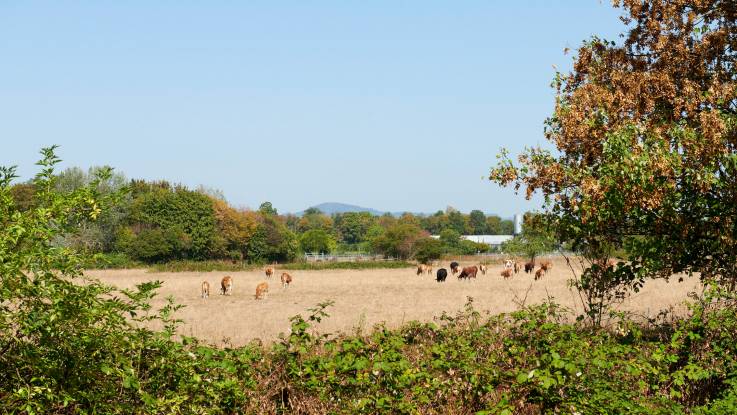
[157, 221]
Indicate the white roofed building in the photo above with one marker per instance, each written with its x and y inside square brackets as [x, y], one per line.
[494, 241]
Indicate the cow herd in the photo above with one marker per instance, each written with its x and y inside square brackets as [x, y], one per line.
[226, 285]
[511, 267]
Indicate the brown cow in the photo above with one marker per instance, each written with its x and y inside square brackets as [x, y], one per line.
[529, 267]
[269, 272]
[539, 274]
[453, 267]
[516, 267]
[420, 269]
[205, 289]
[506, 273]
[261, 290]
[286, 279]
[226, 285]
[468, 272]
[546, 265]
[482, 268]
[428, 268]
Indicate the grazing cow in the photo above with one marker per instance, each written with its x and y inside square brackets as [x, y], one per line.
[420, 269]
[546, 265]
[428, 268]
[261, 290]
[205, 289]
[453, 267]
[286, 279]
[516, 267]
[529, 267]
[269, 272]
[442, 274]
[506, 273]
[539, 274]
[468, 272]
[482, 268]
[226, 285]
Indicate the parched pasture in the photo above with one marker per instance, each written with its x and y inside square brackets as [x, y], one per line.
[365, 297]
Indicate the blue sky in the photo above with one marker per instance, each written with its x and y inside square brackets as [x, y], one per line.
[394, 105]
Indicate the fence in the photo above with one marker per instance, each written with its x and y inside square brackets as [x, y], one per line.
[319, 257]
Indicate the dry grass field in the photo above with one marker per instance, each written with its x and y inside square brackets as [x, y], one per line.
[364, 298]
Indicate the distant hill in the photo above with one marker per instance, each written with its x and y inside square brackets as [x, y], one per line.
[333, 207]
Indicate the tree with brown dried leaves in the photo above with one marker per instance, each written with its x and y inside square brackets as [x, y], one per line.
[646, 138]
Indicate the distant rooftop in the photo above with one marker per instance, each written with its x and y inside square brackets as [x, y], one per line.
[493, 240]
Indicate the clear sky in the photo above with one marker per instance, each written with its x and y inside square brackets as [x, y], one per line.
[394, 105]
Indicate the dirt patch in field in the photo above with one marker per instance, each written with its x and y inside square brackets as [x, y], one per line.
[364, 298]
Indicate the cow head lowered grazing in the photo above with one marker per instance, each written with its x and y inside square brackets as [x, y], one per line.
[468, 272]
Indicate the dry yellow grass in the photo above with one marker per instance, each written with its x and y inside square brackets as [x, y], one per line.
[365, 297]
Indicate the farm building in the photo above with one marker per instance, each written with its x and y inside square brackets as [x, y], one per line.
[494, 241]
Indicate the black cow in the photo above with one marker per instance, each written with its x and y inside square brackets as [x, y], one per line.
[441, 275]
[453, 267]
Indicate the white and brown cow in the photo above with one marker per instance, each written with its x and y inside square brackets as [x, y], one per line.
[261, 290]
[205, 289]
[286, 279]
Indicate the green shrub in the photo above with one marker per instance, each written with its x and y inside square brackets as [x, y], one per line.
[110, 261]
[345, 265]
[428, 250]
[317, 240]
[201, 266]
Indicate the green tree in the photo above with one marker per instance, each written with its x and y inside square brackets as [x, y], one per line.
[317, 240]
[457, 221]
[177, 211]
[466, 247]
[153, 245]
[272, 241]
[267, 209]
[398, 240]
[428, 250]
[451, 239]
[435, 222]
[353, 226]
[97, 235]
[506, 227]
[494, 225]
[538, 237]
[477, 222]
